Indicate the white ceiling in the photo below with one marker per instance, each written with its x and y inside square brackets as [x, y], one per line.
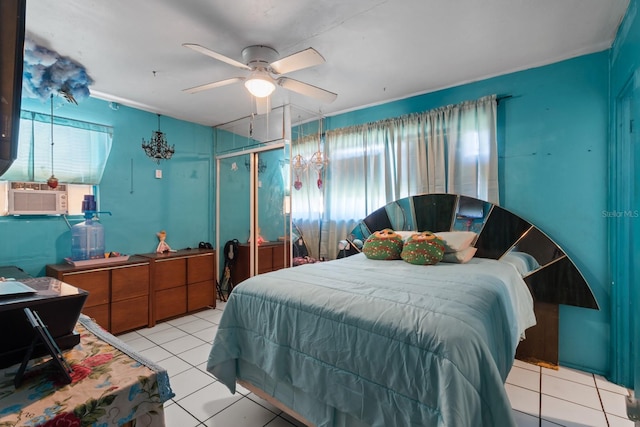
[375, 50]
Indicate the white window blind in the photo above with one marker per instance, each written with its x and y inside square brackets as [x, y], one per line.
[80, 150]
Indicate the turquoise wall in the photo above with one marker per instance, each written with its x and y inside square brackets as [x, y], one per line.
[181, 202]
[553, 171]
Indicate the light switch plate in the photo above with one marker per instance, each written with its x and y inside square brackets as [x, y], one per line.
[158, 173]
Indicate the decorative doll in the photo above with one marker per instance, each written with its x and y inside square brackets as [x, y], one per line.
[162, 246]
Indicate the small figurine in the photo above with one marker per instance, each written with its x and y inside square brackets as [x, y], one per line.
[259, 240]
[163, 246]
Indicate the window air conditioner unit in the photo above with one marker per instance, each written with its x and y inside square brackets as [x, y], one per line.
[37, 198]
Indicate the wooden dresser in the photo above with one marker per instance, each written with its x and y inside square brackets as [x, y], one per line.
[271, 257]
[118, 293]
[181, 282]
[144, 289]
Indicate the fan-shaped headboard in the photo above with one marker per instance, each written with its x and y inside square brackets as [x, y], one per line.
[551, 276]
[554, 279]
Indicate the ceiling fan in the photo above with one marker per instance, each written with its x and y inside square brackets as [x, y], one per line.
[263, 63]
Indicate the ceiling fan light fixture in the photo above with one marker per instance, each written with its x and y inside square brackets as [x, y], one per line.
[260, 84]
[262, 61]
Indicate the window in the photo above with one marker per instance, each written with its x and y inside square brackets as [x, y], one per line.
[80, 150]
[80, 153]
[452, 149]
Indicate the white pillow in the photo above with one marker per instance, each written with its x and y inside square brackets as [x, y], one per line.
[405, 234]
[456, 241]
[460, 257]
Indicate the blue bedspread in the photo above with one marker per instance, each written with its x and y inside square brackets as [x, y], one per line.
[384, 342]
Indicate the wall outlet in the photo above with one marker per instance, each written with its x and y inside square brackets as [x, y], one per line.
[158, 173]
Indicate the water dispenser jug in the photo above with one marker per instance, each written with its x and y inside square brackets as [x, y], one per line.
[87, 240]
[87, 237]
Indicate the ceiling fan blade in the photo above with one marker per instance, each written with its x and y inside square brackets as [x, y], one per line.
[213, 85]
[307, 90]
[263, 105]
[297, 61]
[216, 55]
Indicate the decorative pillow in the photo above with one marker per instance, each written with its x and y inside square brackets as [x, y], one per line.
[460, 257]
[456, 241]
[384, 244]
[423, 249]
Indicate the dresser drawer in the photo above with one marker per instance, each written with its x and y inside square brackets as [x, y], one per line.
[170, 273]
[265, 259]
[200, 295]
[99, 313]
[200, 268]
[170, 303]
[281, 256]
[129, 282]
[96, 282]
[129, 314]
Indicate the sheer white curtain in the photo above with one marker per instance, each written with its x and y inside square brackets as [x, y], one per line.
[403, 151]
[307, 202]
[451, 149]
[472, 149]
[347, 189]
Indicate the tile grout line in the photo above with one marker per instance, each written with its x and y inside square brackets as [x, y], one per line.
[597, 389]
[606, 418]
[540, 397]
[573, 403]
[200, 422]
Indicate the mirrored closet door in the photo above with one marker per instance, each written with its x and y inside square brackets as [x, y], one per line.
[253, 200]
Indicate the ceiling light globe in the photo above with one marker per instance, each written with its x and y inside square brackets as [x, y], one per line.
[259, 86]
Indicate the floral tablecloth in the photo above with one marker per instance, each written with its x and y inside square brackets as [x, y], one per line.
[111, 385]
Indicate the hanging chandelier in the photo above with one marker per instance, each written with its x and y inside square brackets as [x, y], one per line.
[299, 165]
[158, 148]
[319, 160]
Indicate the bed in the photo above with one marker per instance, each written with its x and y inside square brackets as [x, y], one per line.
[362, 342]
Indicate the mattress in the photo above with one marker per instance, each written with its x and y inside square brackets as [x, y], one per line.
[379, 343]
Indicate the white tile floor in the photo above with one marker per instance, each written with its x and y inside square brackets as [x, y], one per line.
[539, 397]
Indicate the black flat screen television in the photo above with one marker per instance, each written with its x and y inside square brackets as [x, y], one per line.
[12, 25]
[58, 304]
